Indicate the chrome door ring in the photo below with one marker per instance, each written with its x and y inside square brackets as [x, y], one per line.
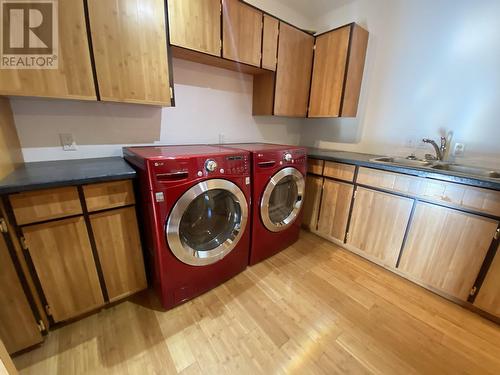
[266, 197]
[183, 251]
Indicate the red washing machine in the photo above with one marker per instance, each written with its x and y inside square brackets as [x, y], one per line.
[278, 179]
[195, 204]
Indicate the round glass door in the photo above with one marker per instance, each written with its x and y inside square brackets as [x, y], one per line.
[282, 199]
[207, 222]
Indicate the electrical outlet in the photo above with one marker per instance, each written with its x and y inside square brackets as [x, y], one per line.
[68, 142]
[459, 149]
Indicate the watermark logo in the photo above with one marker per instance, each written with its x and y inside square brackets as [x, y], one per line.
[30, 33]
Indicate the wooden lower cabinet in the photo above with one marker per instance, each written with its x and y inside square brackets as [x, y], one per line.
[120, 253]
[314, 186]
[378, 225]
[488, 298]
[334, 211]
[18, 327]
[64, 263]
[446, 248]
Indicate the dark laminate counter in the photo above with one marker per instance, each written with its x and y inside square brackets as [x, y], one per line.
[43, 175]
[364, 161]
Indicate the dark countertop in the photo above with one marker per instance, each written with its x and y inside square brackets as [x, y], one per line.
[364, 161]
[43, 175]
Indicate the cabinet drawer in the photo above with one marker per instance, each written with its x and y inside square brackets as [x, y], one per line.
[315, 166]
[338, 170]
[37, 206]
[108, 195]
[468, 197]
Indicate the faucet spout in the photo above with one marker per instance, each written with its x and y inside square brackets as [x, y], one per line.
[440, 150]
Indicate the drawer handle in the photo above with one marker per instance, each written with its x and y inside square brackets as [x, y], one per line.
[172, 176]
[266, 164]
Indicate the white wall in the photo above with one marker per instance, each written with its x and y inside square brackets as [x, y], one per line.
[210, 103]
[433, 66]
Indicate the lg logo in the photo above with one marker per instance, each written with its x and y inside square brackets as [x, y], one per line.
[29, 34]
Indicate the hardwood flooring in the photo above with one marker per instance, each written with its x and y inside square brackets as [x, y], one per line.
[312, 309]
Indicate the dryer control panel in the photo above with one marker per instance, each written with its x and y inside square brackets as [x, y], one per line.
[212, 166]
[272, 159]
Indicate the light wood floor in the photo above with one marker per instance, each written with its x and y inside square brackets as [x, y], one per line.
[312, 309]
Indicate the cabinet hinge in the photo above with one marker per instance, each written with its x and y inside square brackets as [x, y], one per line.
[347, 236]
[496, 236]
[314, 47]
[41, 325]
[473, 291]
[171, 93]
[47, 310]
[24, 245]
[355, 194]
[3, 226]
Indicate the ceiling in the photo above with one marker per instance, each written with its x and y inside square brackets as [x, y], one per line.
[313, 9]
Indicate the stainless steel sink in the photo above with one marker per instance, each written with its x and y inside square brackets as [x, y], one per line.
[438, 166]
[473, 171]
[402, 161]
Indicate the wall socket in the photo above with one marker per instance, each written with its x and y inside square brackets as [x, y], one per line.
[68, 142]
[459, 149]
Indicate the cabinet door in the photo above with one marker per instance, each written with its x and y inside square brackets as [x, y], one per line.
[339, 61]
[196, 25]
[330, 58]
[64, 263]
[293, 75]
[312, 200]
[378, 224]
[120, 253]
[18, 328]
[488, 298]
[73, 78]
[130, 49]
[334, 212]
[270, 42]
[446, 248]
[242, 32]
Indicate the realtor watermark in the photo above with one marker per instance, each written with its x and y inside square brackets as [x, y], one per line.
[29, 34]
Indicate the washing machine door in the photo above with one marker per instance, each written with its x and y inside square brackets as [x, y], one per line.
[282, 199]
[207, 222]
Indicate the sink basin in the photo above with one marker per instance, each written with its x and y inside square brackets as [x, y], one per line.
[474, 171]
[402, 161]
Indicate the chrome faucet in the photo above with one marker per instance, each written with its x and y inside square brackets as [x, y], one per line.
[440, 150]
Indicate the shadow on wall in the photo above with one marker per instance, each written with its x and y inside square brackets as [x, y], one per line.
[40, 121]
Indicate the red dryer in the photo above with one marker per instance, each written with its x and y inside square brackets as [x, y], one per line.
[195, 204]
[278, 184]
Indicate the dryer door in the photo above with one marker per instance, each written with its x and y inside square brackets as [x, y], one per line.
[282, 199]
[207, 222]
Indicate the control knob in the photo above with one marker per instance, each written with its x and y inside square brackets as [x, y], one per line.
[288, 157]
[210, 165]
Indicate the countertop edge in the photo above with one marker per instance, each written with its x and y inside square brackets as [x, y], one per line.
[435, 175]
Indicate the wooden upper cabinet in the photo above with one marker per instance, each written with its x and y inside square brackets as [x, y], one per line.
[293, 75]
[18, 328]
[339, 60]
[63, 260]
[130, 49]
[196, 25]
[270, 42]
[446, 248]
[73, 78]
[334, 211]
[242, 32]
[378, 225]
[488, 298]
